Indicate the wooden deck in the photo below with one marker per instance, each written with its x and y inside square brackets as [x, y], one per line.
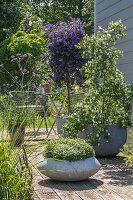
[113, 182]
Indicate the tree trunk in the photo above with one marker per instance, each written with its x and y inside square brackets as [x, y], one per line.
[68, 92]
[103, 100]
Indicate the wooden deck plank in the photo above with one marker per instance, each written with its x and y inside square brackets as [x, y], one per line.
[124, 192]
[63, 190]
[43, 190]
[83, 191]
[105, 192]
[47, 194]
[113, 182]
[35, 197]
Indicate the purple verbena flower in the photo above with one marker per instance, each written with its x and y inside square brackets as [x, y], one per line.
[29, 54]
[15, 77]
[18, 54]
[33, 74]
[34, 86]
[12, 56]
[37, 67]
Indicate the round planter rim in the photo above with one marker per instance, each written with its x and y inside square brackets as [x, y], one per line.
[55, 159]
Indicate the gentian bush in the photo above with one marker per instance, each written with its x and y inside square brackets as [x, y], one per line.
[64, 57]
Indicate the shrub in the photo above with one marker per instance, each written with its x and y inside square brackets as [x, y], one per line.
[15, 173]
[68, 149]
[128, 152]
[22, 43]
[109, 96]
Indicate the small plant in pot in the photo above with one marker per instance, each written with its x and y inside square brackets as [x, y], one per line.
[68, 160]
[106, 107]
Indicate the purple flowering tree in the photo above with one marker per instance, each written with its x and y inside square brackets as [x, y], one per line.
[64, 58]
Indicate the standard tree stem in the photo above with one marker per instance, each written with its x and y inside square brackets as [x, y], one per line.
[103, 100]
[103, 103]
[68, 92]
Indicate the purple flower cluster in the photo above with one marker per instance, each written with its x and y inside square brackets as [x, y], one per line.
[19, 56]
[48, 27]
[64, 58]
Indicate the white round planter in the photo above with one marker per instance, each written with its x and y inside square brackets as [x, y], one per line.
[63, 170]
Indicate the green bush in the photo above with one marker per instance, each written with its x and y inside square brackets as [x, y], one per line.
[108, 98]
[20, 43]
[15, 173]
[128, 152]
[68, 149]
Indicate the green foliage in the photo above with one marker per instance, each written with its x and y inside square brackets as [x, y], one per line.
[27, 43]
[68, 149]
[15, 112]
[16, 106]
[31, 24]
[15, 173]
[109, 96]
[101, 68]
[128, 152]
[10, 16]
[55, 11]
[24, 76]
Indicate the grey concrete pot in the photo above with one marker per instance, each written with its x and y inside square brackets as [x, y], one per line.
[60, 122]
[111, 146]
[106, 148]
[63, 170]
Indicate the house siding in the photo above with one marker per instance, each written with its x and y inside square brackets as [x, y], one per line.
[107, 11]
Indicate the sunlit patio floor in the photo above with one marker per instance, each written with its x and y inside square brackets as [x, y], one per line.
[114, 181]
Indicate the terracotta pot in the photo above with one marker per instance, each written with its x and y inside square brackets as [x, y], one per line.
[47, 88]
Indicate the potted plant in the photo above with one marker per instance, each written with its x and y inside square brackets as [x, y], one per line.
[64, 58]
[68, 160]
[104, 114]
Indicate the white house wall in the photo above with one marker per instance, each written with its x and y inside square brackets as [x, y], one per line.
[114, 10]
